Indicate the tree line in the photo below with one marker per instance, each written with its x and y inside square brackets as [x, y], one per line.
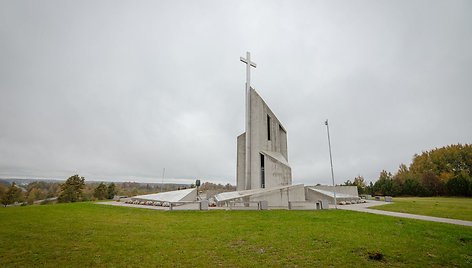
[445, 171]
[72, 190]
[76, 189]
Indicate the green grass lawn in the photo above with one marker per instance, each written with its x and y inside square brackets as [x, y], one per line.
[92, 235]
[445, 207]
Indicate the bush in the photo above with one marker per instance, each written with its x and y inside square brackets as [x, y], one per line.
[413, 188]
[459, 185]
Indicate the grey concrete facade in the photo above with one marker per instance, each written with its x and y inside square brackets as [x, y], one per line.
[281, 197]
[268, 153]
[241, 163]
[341, 189]
[325, 192]
[263, 172]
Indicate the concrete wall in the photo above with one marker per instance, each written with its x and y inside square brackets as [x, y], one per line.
[192, 196]
[241, 163]
[313, 196]
[280, 198]
[277, 172]
[283, 142]
[350, 190]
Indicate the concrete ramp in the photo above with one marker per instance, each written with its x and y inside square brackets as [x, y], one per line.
[343, 194]
[275, 196]
[172, 196]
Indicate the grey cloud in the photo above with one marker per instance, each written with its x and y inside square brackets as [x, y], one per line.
[120, 90]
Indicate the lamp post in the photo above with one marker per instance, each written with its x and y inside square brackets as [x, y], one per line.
[197, 183]
[162, 183]
[331, 160]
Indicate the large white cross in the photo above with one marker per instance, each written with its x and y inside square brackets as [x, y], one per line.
[247, 172]
[249, 63]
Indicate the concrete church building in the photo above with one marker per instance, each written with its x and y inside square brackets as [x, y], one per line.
[268, 176]
[268, 155]
[263, 172]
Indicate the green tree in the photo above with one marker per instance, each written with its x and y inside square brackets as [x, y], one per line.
[100, 192]
[33, 195]
[412, 187]
[347, 183]
[12, 195]
[111, 191]
[470, 187]
[36, 191]
[445, 170]
[3, 190]
[459, 185]
[432, 184]
[71, 190]
[53, 190]
[360, 183]
[384, 185]
[452, 160]
[370, 188]
[402, 174]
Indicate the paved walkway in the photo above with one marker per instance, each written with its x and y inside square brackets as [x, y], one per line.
[364, 207]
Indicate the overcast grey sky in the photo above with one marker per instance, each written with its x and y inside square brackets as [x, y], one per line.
[121, 89]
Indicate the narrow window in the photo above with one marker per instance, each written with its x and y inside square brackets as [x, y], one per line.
[262, 172]
[268, 127]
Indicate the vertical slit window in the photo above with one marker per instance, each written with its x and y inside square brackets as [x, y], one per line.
[268, 127]
[262, 171]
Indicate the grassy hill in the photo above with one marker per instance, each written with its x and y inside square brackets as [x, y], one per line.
[92, 235]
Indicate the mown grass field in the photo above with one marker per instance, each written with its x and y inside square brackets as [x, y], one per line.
[445, 207]
[92, 235]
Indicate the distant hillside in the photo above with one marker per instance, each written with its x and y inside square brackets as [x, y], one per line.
[24, 182]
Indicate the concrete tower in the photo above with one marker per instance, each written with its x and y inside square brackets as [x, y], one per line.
[267, 151]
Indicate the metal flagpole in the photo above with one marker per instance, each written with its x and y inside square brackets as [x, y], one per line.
[331, 160]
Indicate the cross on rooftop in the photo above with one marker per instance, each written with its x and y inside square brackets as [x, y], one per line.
[249, 63]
